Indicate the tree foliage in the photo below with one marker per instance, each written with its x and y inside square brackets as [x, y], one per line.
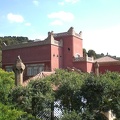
[89, 95]
[70, 83]
[8, 113]
[6, 84]
[80, 95]
[113, 92]
[35, 99]
[71, 116]
[91, 53]
[12, 40]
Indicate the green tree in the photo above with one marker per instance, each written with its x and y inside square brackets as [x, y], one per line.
[0, 58]
[89, 95]
[36, 98]
[42, 96]
[91, 53]
[81, 95]
[102, 94]
[100, 55]
[94, 92]
[6, 84]
[70, 83]
[71, 116]
[20, 97]
[114, 92]
[7, 113]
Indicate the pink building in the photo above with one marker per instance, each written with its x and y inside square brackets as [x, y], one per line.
[58, 50]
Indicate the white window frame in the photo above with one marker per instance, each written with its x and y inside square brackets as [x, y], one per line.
[9, 68]
[34, 69]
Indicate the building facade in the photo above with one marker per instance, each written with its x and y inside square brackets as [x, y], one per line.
[58, 50]
[108, 63]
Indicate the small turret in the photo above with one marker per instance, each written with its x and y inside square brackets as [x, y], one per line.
[71, 31]
[50, 37]
[80, 33]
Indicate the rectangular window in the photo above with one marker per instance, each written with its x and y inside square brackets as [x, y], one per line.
[34, 69]
[29, 71]
[9, 68]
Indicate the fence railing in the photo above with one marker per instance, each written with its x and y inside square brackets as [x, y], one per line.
[51, 113]
[89, 59]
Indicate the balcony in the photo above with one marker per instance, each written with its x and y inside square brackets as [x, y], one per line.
[86, 58]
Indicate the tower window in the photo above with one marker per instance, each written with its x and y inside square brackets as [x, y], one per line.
[68, 49]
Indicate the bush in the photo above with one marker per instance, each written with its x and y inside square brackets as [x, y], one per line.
[71, 116]
[6, 84]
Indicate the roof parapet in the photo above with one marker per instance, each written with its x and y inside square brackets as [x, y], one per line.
[69, 32]
[50, 37]
[49, 40]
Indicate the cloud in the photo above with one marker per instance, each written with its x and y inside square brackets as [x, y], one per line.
[103, 40]
[64, 16]
[36, 2]
[56, 22]
[15, 18]
[27, 24]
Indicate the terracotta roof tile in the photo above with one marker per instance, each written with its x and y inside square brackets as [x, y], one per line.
[106, 59]
[36, 77]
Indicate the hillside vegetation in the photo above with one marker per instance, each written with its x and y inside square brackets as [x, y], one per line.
[12, 40]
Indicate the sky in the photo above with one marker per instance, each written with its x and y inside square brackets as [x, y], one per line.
[99, 21]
